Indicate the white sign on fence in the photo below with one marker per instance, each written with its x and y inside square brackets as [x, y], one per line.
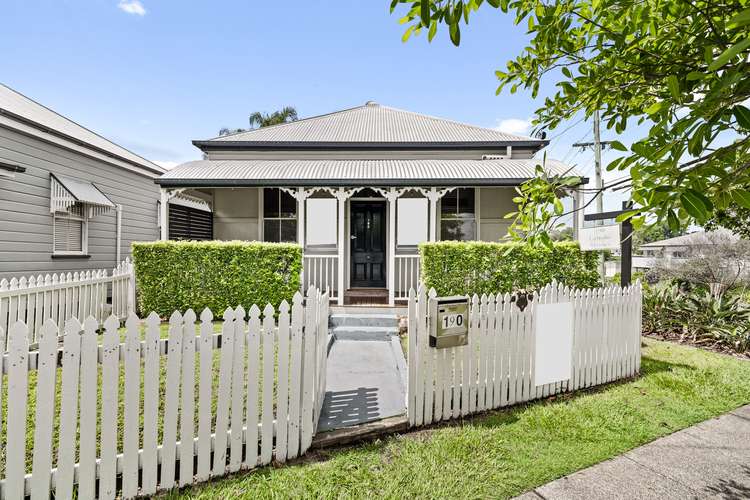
[600, 237]
[553, 352]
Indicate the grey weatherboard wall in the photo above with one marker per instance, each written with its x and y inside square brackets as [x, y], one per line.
[26, 222]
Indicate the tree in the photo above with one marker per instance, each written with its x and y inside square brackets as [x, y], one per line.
[735, 218]
[680, 66]
[260, 119]
[654, 232]
[716, 259]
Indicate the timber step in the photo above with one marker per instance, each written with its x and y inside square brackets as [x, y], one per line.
[366, 296]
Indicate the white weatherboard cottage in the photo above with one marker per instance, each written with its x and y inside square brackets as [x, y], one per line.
[359, 189]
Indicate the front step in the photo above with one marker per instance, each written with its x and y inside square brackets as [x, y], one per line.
[364, 332]
[365, 319]
[365, 296]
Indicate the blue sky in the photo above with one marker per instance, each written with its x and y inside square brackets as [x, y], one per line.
[154, 75]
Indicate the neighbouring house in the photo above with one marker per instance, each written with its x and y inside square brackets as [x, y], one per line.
[359, 189]
[70, 200]
[674, 251]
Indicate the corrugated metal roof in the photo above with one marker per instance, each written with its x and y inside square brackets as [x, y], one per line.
[373, 123]
[17, 104]
[356, 172]
[698, 238]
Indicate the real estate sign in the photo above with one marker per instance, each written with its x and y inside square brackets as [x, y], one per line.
[553, 349]
[600, 237]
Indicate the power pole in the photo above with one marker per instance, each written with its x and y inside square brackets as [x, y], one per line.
[597, 146]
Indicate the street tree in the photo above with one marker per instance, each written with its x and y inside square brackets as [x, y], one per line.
[682, 67]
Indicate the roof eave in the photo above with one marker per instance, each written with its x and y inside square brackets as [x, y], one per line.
[212, 183]
[310, 145]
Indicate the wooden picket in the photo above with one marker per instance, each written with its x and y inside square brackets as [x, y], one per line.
[59, 297]
[496, 368]
[270, 391]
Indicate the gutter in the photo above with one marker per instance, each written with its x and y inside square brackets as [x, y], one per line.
[200, 183]
[362, 146]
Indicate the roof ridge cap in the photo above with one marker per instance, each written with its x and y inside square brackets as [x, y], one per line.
[277, 125]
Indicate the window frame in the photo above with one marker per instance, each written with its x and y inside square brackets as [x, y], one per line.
[68, 215]
[456, 214]
[279, 218]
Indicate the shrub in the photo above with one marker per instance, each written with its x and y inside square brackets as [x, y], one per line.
[177, 275]
[459, 268]
[698, 316]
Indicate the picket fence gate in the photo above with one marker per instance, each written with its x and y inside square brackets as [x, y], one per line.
[271, 385]
[496, 368]
[60, 297]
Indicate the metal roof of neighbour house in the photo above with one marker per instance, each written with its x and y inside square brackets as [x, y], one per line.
[698, 238]
[370, 125]
[215, 173]
[23, 109]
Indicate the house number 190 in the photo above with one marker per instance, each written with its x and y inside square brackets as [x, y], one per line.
[452, 320]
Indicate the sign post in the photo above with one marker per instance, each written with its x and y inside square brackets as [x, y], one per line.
[610, 237]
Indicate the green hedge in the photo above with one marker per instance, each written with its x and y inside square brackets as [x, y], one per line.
[459, 268]
[177, 275]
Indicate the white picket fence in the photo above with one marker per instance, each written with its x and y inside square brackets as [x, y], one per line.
[271, 384]
[61, 297]
[496, 368]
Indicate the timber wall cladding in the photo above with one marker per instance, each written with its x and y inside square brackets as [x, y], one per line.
[212, 403]
[496, 368]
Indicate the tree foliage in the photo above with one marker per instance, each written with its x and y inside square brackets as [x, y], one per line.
[735, 218]
[681, 67]
[259, 119]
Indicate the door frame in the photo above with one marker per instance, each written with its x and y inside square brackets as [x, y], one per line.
[348, 248]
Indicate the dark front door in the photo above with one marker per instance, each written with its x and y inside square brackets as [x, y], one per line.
[368, 244]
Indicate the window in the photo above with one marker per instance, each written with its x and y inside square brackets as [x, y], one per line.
[279, 216]
[457, 215]
[70, 231]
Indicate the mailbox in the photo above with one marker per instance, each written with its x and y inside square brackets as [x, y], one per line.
[450, 326]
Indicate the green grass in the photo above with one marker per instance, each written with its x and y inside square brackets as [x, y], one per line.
[31, 404]
[504, 453]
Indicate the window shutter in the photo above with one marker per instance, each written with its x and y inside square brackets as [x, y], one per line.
[68, 234]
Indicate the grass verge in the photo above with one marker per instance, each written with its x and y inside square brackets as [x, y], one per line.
[504, 453]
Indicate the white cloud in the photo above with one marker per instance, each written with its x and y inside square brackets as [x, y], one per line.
[132, 7]
[514, 126]
[167, 165]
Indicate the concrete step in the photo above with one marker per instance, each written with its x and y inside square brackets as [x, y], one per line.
[364, 332]
[368, 319]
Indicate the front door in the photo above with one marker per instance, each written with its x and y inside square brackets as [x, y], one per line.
[367, 244]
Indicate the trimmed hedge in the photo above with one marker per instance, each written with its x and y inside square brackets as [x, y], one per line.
[460, 268]
[177, 275]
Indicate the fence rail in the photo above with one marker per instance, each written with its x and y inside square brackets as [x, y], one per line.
[496, 368]
[61, 297]
[269, 369]
[407, 275]
[321, 271]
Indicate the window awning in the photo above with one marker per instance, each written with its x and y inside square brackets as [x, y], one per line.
[67, 191]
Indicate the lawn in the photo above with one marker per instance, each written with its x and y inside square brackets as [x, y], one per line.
[31, 406]
[504, 453]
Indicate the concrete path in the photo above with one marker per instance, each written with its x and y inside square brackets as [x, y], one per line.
[708, 460]
[366, 381]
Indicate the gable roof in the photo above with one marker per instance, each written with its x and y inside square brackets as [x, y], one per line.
[698, 238]
[371, 124]
[214, 173]
[23, 109]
